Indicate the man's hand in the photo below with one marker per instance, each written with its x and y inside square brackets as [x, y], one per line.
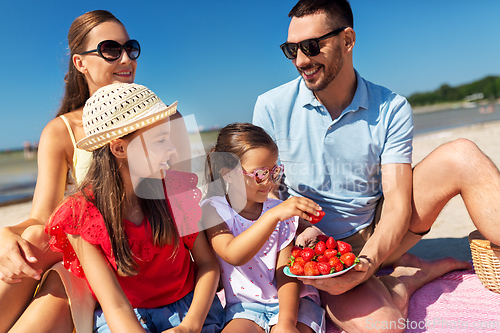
[308, 236]
[340, 284]
[15, 258]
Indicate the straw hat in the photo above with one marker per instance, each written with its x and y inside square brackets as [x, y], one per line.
[118, 109]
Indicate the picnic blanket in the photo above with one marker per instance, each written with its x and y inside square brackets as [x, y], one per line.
[456, 301]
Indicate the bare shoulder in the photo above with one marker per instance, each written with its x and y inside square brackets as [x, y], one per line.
[56, 130]
[75, 118]
[53, 131]
[56, 140]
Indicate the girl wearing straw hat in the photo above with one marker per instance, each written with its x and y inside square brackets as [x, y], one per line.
[101, 53]
[131, 227]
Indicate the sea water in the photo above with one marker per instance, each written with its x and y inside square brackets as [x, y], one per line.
[17, 176]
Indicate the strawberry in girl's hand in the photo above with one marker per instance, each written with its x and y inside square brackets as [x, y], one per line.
[297, 269]
[315, 219]
[331, 243]
[320, 247]
[336, 264]
[348, 259]
[307, 254]
[343, 247]
[311, 268]
[324, 268]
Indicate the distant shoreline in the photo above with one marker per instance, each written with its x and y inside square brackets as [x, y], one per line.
[16, 201]
[451, 106]
[416, 110]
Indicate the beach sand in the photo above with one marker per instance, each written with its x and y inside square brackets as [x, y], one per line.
[448, 237]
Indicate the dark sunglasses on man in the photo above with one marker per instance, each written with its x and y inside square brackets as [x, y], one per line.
[310, 47]
[111, 50]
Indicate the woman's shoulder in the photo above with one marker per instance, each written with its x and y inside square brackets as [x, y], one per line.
[57, 126]
[56, 131]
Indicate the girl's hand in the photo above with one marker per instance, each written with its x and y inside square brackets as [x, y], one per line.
[284, 327]
[296, 206]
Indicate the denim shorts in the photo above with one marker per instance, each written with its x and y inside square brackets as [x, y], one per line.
[160, 319]
[266, 315]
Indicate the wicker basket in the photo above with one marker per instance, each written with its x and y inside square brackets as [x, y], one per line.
[486, 259]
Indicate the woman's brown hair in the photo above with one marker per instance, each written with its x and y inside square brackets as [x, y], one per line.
[233, 142]
[76, 90]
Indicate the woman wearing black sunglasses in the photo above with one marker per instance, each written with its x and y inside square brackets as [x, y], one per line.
[101, 53]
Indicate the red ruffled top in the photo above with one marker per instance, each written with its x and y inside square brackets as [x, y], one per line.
[162, 278]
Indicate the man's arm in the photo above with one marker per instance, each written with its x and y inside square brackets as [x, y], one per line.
[396, 212]
[394, 221]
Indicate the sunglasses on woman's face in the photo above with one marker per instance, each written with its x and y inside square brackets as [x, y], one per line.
[111, 50]
[310, 47]
[261, 175]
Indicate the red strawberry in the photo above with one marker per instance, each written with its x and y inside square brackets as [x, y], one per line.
[311, 268]
[323, 238]
[320, 247]
[330, 253]
[331, 243]
[348, 259]
[300, 261]
[324, 268]
[297, 269]
[296, 250]
[336, 264]
[307, 254]
[322, 258]
[343, 247]
[315, 219]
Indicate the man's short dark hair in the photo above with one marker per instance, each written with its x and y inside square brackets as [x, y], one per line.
[338, 11]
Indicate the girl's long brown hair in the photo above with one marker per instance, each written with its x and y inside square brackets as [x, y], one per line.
[233, 142]
[107, 193]
[76, 90]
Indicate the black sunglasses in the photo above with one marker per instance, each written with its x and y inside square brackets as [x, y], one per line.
[111, 50]
[310, 47]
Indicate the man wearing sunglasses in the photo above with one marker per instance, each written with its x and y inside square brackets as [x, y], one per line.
[346, 143]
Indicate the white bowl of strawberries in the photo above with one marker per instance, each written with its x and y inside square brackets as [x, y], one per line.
[327, 258]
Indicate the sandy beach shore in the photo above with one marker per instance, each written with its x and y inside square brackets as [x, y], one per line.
[449, 235]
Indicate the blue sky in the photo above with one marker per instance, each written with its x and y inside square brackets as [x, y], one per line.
[215, 57]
